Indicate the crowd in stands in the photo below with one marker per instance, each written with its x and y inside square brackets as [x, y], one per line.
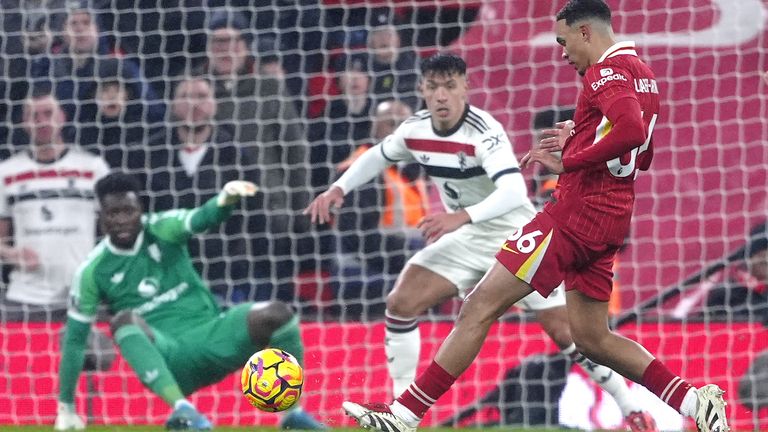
[189, 95]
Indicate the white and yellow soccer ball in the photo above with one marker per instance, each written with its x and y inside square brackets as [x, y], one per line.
[272, 380]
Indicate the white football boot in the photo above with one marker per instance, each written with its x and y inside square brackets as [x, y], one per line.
[376, 416]
[710, 409]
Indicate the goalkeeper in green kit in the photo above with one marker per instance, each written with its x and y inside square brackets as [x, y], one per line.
[166, 322]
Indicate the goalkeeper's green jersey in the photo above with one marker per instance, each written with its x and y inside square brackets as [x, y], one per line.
[155, 279]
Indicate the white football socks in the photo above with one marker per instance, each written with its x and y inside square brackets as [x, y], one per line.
[688, 407]
[402, 349]
[404, 414]
[606, 378]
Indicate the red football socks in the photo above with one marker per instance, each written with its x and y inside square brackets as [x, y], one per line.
[667, 386]
[426, 390]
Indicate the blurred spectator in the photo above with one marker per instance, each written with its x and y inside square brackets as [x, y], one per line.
[381, 217]
[377, 224]
[48, 213]
[740, 292]
[258, 112]
[29, 30]
[733, 292]
[394, 67]
[117, 132]
[272, 68]
[253, 107]
[190, 163]
[27, 34]
[76, 70]
[309, 29]
[753, 386]
[347, 122]
[166, 37]
[296, 29]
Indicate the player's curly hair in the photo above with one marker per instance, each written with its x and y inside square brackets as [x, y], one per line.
[443, 64]
[117, 183]
[577, 10]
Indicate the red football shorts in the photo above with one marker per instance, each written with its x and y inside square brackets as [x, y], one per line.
[544, 255]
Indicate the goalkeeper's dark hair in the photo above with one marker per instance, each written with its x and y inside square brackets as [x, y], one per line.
[578, 10]
[443, 64]
[117, 183]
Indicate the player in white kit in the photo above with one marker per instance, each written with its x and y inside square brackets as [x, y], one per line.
[468, 155]
[47, 202]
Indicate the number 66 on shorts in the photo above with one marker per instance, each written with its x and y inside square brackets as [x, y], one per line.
[544, 255]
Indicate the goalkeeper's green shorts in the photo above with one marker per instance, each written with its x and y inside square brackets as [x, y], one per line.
[207, 353]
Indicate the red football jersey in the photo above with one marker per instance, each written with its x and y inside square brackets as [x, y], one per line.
[594, 200]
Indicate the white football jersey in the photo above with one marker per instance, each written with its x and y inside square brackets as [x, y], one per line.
[52, 207]
[463, 162]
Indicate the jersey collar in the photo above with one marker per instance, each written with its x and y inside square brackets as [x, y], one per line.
[454, 129]
[50, 162]
[127, 252]
[619, 48]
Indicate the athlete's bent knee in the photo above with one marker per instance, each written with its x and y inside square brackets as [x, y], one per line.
[554, 321]
[399, 306]
[591, 346]
[121, 319]
[474, 313]
[269, 316]
[561, 335]
[127, 317]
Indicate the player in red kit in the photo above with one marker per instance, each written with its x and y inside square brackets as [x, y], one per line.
[575, 238]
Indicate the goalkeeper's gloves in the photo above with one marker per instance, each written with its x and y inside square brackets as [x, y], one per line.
[67, 418]
[235, 190]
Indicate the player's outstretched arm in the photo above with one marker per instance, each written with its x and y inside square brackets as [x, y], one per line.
[234, 190]
[363, 169]
[319, 210]
[179, 224]
[210, 214]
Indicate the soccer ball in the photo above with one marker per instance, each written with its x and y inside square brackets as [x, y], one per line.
[272, 380]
